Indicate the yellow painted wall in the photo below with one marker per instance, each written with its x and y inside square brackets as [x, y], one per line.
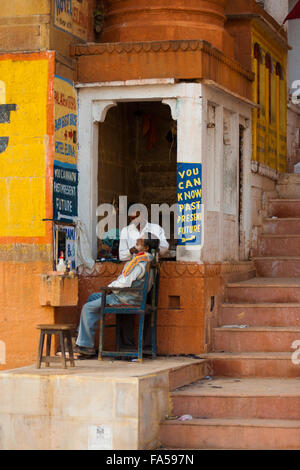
[270, 136]
[23, 163]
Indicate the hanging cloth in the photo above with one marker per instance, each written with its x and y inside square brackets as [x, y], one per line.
[83, 249]
[149, 131]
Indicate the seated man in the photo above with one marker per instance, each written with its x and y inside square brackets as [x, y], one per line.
[136, 229]
[132, 276]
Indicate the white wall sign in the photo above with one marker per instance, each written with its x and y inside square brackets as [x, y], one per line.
[100, 437]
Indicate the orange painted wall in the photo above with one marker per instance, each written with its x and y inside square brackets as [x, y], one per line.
[21, 311]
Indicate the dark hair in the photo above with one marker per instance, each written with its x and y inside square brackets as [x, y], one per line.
[151, 241]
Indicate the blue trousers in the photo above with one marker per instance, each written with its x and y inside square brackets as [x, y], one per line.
[90, 317]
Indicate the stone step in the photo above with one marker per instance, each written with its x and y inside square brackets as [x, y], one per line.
[287, 226]
[264, 290]
[264, 314]
[186, 374]
[247, 398]
[260, 434]
[284, 208]
[252, 339]
[279, 245]
[288, 185]
[252, 364]
[277, 266]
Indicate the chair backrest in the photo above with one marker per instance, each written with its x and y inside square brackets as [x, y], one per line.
[153, 292]
[145, 288]
[155, 286]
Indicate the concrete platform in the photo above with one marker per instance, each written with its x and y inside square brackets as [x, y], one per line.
[104, 405]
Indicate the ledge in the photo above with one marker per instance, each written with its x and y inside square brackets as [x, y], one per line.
[264, 170]
[172, 269]
[59, 290]
[182, 60]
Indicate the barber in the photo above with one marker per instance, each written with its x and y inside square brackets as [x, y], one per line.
[135, 230]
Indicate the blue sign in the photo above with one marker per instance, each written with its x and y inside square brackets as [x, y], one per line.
[189, 204]
[65, 191]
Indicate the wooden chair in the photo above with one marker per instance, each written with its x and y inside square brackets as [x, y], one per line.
[64, 332]
[140, 310]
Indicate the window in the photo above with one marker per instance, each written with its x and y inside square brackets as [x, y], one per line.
[258, 61]
[269, 86]
[279, 72]
[280, 96]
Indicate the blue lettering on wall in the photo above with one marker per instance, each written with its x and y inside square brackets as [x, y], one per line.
[189, 204]
[64, 121]
[64, 149]
[63, 6]
[65, 192]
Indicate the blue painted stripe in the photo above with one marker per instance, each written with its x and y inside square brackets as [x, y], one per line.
[64, 79]
[69, 166]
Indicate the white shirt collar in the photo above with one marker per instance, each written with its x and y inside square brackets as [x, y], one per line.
[132, 227]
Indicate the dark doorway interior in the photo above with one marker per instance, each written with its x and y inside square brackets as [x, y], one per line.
[138, 155]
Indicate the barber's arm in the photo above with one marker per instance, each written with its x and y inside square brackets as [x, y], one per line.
[164, 245]
[124, 251]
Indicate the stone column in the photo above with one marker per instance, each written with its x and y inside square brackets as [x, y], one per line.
[90, 113]
[191, 125]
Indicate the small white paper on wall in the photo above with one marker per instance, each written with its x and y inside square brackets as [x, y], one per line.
[100, 437]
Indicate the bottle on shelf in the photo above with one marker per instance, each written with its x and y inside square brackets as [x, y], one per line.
[61, 266]
[69, 266]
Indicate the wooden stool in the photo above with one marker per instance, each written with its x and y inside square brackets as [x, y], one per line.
[64, 331]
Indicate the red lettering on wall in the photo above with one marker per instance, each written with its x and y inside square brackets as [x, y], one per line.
[67, 101]
[79, 18]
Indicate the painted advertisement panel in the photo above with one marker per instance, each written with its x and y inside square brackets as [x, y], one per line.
[65, 184]
[65, 115]
[24, 85]
[71, 16]
[64, 240]
[65, 175]
[189, 204]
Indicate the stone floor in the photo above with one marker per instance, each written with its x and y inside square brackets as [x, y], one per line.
[110, 367]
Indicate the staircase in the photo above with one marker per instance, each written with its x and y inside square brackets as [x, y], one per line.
[252, 399]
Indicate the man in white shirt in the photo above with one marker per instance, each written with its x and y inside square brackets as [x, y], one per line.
[136, 229]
